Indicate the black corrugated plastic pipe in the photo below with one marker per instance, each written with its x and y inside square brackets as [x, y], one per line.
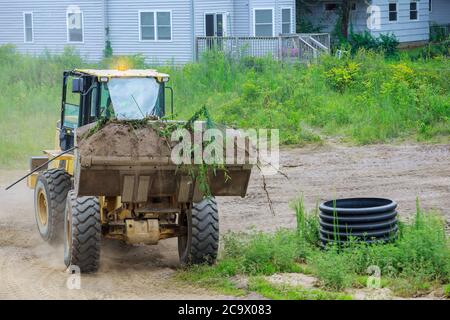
[360, 219]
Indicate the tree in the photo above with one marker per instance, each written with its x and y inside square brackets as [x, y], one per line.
[344, 13]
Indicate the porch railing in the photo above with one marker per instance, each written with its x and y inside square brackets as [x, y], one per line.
[292, 47]
[439, 31]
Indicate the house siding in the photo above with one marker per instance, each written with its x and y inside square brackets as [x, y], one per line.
[440, 12]
[241, 18]
[404, 29]
[50, 27]
[122, 19]
[124, 31]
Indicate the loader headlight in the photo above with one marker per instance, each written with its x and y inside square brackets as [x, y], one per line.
[163, 79]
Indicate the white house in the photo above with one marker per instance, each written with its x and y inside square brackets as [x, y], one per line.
[408, 20]
[163, 30]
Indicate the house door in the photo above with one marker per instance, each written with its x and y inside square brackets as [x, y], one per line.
[214, 25]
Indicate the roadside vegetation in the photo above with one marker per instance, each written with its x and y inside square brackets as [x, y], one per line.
[362, 98]
[417, 263]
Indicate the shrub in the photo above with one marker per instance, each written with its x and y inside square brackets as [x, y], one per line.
[386, 43]
[333, 269]
[343, 77]
[108, 51]
[389, 44]
[431, 51]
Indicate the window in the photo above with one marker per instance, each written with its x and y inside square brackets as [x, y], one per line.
[413, 10]
[286, 20]
[164, 30]
[335, 6]
[263, 22]
[155, 25]
[430, 5]
[134, 98]
[147, 23]
[215, 24]
[331, 6]
[75, 26]
[71, 106]
[392, 11]
[94, 98]
[28, 26]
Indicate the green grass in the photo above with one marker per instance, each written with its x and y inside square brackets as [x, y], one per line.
[217, 278]
[446, 291]
[30, 102]
[286, 292]
[417, 263]
[365, 99]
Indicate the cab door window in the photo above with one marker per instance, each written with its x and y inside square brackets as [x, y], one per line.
[71, 106]
[94, 101]
[106, 109]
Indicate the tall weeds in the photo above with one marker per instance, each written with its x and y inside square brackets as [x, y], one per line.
[364, 99]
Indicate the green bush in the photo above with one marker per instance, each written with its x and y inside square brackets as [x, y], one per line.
[343, 77]
[108, 51]
[431, 51]
[386, 43]
[332, 268]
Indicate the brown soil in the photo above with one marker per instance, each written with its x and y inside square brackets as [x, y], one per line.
[33, 269]
[402, 173]
[121, 139]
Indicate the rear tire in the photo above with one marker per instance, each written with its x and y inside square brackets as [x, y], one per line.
[82, 233]
[201, 242]
[50, 196]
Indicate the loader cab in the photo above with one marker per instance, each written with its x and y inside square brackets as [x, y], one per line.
[91, 95]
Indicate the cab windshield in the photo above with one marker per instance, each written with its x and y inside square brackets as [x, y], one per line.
[134, 98]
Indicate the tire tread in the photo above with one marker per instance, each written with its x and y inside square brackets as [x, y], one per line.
[205, 232]
[86, 233]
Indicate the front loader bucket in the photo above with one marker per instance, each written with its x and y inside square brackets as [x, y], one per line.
[142, 168]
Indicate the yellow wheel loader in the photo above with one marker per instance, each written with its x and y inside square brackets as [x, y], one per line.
[83, 198]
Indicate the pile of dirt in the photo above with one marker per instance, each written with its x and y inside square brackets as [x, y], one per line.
[123, 139]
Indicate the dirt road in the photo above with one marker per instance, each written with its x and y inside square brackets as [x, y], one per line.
[29, 268]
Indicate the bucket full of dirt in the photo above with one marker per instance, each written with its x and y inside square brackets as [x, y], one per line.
[134, 160]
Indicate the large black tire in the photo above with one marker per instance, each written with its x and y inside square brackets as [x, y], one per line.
[201, 242]
[82, 233]
[50, 196]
